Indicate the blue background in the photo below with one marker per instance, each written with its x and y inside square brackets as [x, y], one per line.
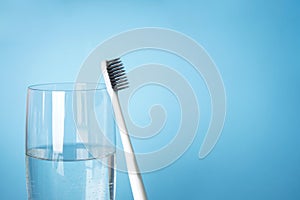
[256, 46]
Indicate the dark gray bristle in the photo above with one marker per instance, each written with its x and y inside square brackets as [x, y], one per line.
[117, 74]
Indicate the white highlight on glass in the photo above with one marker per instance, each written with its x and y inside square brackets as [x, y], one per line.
[58, 117]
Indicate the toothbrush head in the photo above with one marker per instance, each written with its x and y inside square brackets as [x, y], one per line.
[117, 74]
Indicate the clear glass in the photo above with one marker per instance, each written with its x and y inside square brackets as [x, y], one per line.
[70, 142]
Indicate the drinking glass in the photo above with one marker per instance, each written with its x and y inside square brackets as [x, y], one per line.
[70, 142]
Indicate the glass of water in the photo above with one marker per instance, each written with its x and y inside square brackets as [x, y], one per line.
[70, 142]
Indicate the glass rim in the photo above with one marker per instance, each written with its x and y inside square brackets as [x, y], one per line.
[67, 86]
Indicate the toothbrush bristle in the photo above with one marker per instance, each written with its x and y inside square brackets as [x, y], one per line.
[117, 74]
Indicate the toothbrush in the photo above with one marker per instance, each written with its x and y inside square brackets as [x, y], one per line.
[116, 80]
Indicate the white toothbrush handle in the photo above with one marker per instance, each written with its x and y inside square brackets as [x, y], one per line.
[135, 177]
